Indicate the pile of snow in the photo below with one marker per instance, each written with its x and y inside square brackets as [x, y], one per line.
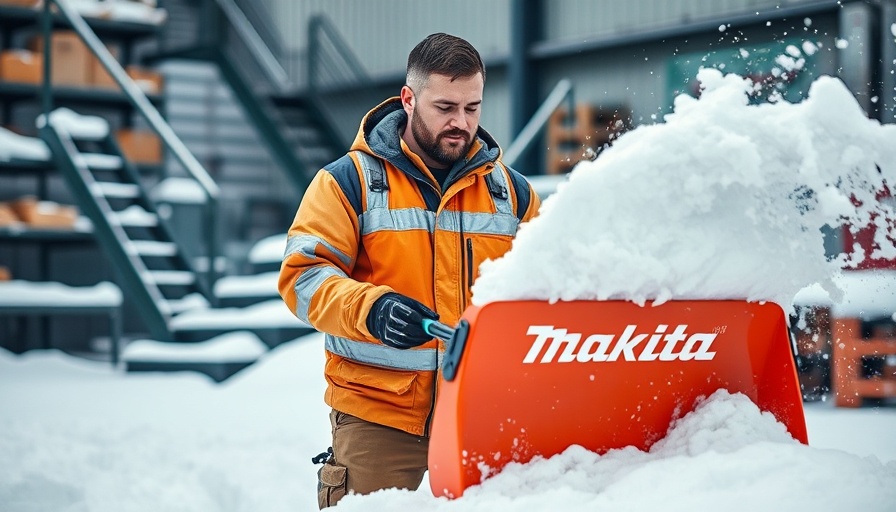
[723, 200]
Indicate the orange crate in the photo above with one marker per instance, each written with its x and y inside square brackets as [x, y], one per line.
[44, 214]
[849, 346]
[140, 146]
[21, 66]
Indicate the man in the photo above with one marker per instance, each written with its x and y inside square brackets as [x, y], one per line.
[388, 235]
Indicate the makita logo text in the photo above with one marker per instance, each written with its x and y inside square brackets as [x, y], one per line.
[629, 346]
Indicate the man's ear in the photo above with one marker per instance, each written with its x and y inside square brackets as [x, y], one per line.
[408, 101]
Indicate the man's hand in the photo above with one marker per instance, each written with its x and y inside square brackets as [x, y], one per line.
[397, 321]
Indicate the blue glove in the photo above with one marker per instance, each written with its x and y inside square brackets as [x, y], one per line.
[397, 321]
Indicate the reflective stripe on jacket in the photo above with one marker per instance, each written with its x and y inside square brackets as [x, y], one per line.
[376, 221]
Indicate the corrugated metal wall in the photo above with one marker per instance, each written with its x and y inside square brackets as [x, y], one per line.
[383, 32]
[583, 19]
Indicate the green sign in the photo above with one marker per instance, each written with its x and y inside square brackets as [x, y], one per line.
[780, 70]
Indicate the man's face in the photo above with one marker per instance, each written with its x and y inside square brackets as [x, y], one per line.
[444, 117]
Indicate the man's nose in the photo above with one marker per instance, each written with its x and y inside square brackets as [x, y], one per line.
[460, 120]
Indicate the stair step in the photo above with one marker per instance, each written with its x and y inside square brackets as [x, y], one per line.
[171, 277]
[115, 190]
[177, 306]
[153, 248]
[101, 161]
[135, 216]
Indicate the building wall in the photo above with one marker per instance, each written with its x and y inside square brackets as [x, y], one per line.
[382, 33]
[615, 53]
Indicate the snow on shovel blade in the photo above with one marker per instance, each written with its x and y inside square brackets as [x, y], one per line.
[534, 378]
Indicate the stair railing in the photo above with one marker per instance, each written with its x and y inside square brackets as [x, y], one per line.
[266, 59]
[329, 56]
[142, 104]
[563, 91]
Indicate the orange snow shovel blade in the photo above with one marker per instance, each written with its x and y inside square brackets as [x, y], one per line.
[533, 378]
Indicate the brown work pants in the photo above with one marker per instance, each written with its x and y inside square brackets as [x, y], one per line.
[368, 457]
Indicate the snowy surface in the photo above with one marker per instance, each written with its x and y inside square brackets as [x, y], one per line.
[722, 200]
[20, 147]
[239, 346]
[50, 293]
[82, 436]
[269, 314]
[179, 191]
[269, 249]
[83, 127]
[255, 285]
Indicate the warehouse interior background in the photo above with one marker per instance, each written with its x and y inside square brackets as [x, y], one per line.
[217, 113]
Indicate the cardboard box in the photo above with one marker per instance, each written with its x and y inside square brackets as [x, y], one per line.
[150, 82]
[44, 214]
[5, 274]
[99, 77]
[140, 146]
[7, 216]
[70, 58]
[22, 3]
[22, 66]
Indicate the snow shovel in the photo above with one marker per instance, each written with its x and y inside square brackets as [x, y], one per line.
[523, 379]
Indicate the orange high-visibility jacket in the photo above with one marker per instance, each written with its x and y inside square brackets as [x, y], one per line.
[376, 221]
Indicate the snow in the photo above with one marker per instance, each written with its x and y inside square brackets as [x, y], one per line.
[269, 249]
[81, 435]
[270, 314]
[50, 293]
[255, 285]
[20, 147]
[867, 294]
[83, 127]
[239, 346]
[98, 161]
[136, 216]
[723, 200]
[179, 191]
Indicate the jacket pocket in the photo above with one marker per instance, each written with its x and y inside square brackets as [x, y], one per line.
[331, 486]
[395, 387]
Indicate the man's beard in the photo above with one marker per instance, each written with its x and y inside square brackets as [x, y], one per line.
[431, 144]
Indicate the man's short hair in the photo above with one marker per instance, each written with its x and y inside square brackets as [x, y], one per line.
[442, 54]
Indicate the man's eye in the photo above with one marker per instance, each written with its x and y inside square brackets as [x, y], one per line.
[444, 109]
[472, 110]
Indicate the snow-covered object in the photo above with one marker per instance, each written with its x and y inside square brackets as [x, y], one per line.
[52, 293]
[239, 346]
[723, 200]
[21, 147]
[269, 314]
[83, 127]
[179, 191]
[269, 249]
[255, 285]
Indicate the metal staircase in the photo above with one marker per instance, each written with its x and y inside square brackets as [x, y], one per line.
[294, 129]
[152, 267]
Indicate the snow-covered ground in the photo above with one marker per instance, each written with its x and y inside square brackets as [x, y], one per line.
[78, 435]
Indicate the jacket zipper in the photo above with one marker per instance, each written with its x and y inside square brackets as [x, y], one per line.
[469, 280]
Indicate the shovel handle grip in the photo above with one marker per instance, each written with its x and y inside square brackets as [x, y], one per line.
[437, 329]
